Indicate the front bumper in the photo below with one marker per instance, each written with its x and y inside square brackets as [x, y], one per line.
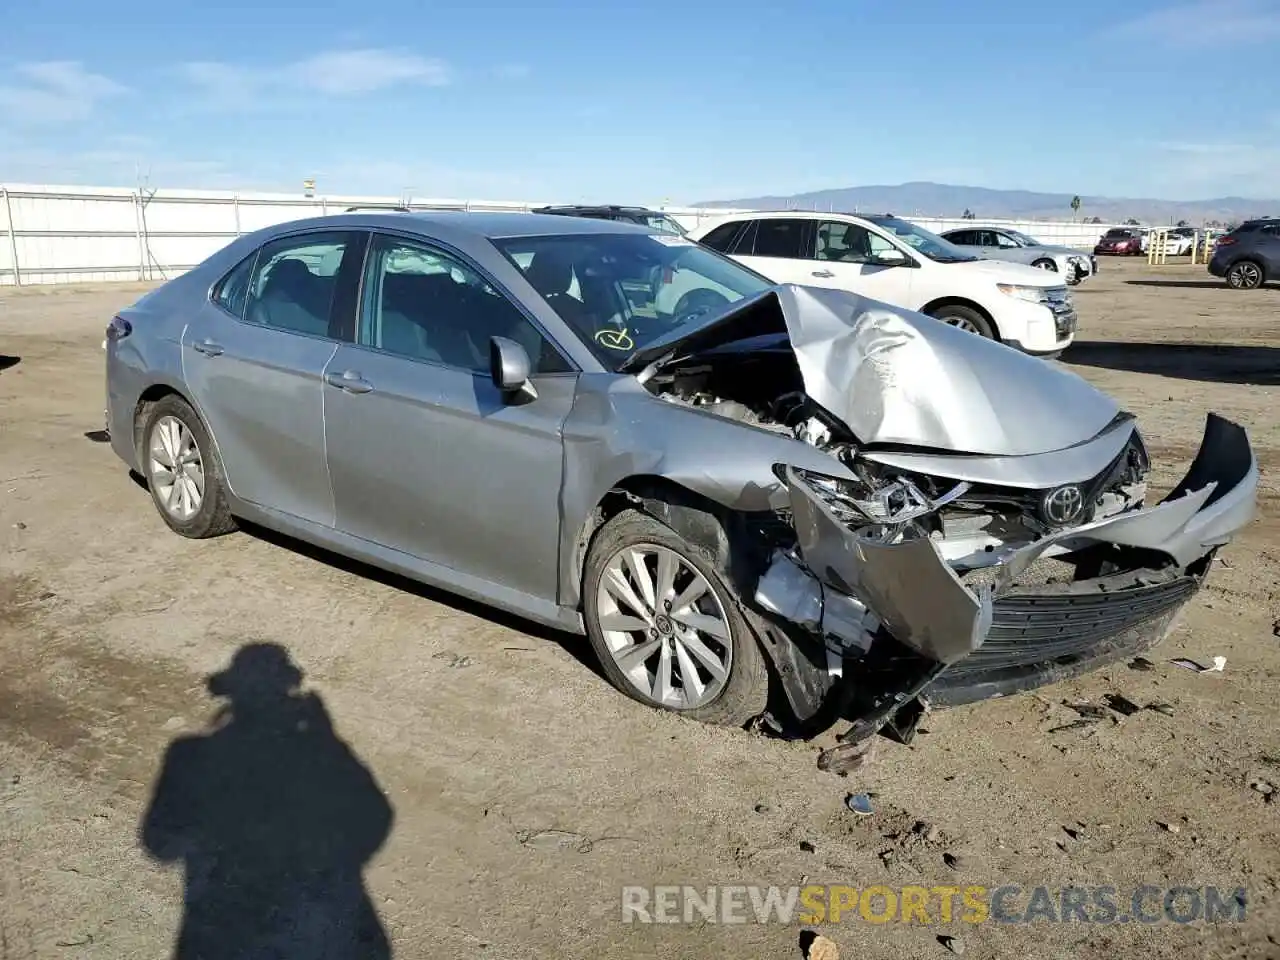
[1037, 328]
[971, 642]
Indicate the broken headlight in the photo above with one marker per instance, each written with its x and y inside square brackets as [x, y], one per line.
[877, 501]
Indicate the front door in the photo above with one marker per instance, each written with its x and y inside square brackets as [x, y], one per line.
[254, 357]
[847, 256]
[425, 454]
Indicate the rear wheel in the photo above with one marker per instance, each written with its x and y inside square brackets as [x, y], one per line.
[1244, 275]
[182, 470]
[666, 624]
[966, 318]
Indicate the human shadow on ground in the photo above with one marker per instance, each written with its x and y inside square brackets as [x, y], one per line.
[273, 819]
[1227, 363]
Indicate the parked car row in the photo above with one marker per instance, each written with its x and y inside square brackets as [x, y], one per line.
[753, 487]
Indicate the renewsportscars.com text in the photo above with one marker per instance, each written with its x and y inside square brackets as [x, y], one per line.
[972, 904]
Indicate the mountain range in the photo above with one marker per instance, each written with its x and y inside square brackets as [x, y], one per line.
[925, 199]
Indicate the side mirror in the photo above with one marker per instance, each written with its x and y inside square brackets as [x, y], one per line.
[893, 257]
[509, 367]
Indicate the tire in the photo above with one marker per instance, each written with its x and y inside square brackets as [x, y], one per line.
[1046, 264]
[743, 692]
[1245, 275]
[966, 318]
[168, 421]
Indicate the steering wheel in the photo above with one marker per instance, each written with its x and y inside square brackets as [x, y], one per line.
[697, 302]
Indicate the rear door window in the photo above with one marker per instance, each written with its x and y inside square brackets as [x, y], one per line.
[294, 280]
[780, 238]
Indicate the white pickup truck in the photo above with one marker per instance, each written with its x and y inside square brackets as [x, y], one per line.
[895, 261]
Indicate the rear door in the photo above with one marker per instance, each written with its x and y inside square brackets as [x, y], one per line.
[777, 248]
[253, 358]
[425, 454]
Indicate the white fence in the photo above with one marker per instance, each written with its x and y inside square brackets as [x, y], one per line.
[79, 234]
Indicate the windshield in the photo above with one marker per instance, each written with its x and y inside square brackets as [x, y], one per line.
[622, 291]
[922, 241]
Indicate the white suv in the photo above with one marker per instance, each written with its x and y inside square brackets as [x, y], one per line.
[894, 261]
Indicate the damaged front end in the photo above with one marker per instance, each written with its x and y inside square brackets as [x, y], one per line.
[886, 580]
[978, 523]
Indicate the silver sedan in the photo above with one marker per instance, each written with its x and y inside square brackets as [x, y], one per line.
[751, 498]
[1001, 243]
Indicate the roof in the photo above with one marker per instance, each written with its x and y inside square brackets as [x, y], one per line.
[584, 207]
[483, 225]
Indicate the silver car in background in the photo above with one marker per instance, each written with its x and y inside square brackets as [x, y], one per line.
[1001, 243]
[753, 499]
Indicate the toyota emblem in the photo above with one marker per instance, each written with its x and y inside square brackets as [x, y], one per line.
[1063, 505]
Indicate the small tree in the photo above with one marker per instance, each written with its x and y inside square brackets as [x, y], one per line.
[1131, 222]
[967, 215]
[1075, 204]
[1182, 223]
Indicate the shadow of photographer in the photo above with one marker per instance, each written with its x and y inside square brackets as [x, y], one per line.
[273, 819]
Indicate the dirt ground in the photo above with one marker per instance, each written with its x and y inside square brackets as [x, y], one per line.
[524, 792]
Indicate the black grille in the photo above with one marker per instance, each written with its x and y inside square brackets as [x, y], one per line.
[1045, 628]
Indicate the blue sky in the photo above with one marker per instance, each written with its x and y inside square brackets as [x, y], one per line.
[562, 100]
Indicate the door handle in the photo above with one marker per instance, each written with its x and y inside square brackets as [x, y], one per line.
[207, 347]
[823, 273]
[348, 380]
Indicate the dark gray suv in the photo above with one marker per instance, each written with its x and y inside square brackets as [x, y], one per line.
[1249, 255]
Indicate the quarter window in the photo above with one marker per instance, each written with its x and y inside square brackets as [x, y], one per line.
[424, 304]
[722, 236]
[294, 281]
[233, 290]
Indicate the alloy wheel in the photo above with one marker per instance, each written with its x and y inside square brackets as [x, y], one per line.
[964, 323]
[1245, 276]
[665, 626]
[176, 468]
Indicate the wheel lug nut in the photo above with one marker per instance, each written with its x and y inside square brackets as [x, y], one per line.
[666, 605]
[653, 634]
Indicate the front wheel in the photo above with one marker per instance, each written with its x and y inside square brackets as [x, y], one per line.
[1046, 264]
[966, 318]
[666, 625]
[1244, 275]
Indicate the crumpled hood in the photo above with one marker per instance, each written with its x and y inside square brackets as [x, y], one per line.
[893, 376]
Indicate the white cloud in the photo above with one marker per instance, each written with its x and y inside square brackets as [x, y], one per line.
[1204, 23]
[54, 92]
[334, 73]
